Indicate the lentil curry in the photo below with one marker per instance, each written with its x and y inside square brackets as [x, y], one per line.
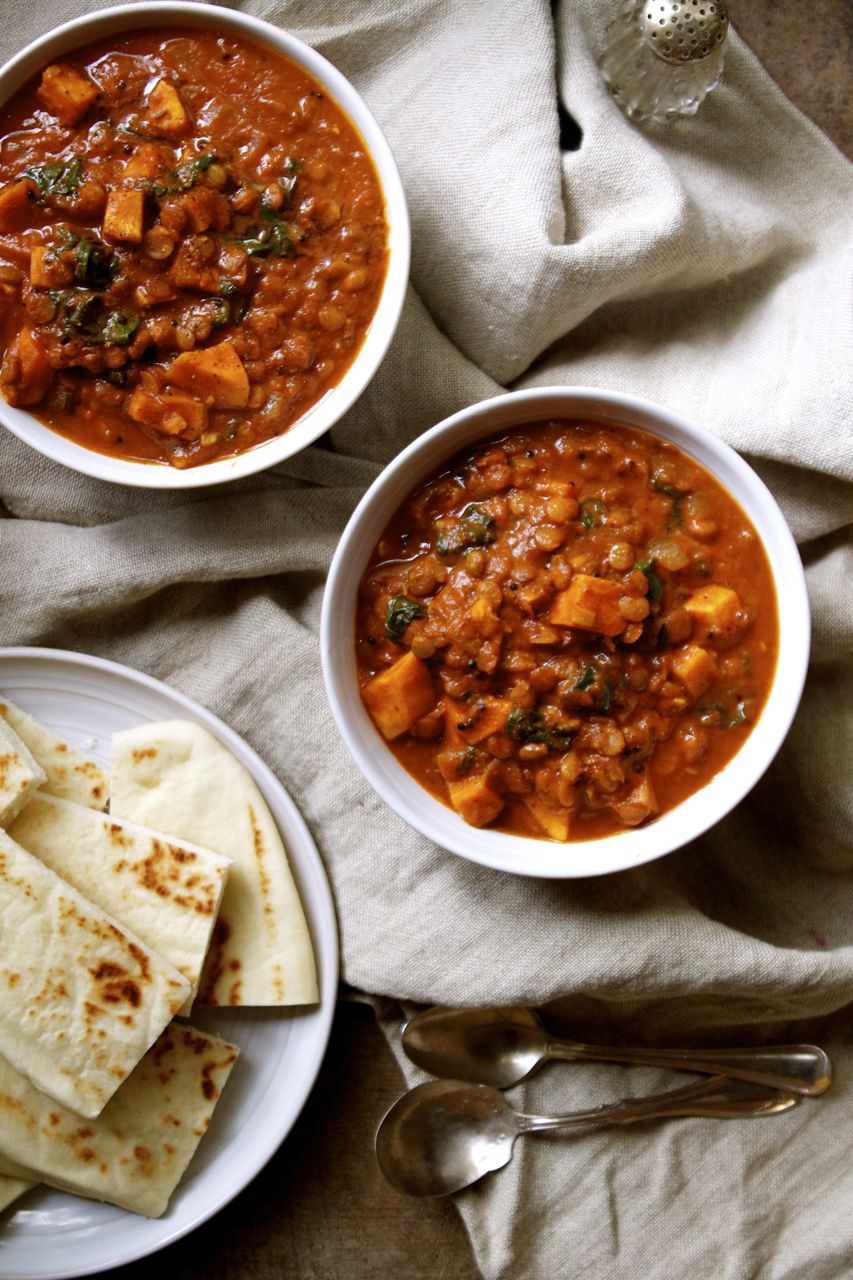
[567, 630]
[192, 245]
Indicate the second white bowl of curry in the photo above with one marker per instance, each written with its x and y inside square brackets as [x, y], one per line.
[565, 632]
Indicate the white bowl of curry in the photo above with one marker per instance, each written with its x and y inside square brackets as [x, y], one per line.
[204, 245]
[565, 632]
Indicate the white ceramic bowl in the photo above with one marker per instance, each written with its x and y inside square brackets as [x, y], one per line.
[528, 856]
[130, 17]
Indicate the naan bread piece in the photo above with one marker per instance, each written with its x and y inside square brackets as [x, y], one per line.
[70, 774]
[11, 1189]
[134, 1154]
[176, 777]
[81, 998]
[166, 892]
[20, 774]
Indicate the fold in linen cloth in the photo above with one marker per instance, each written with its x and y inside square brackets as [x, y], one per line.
[705, 265]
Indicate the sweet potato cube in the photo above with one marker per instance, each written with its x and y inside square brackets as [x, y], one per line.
[26, 373]
[695, 667]
[552, 818]
[639, 804]
[215, 375]
[165, 111]
[66, 92]
[396, 698]
[590, 604]
[149, 160]
[16, 199]
[471, 722]
[475, 799]
[716, 612]
[48, 269]
[188, 271]
[172, 413]
[124, 216]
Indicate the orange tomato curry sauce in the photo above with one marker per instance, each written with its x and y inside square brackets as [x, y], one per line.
[192, 245]
[567, 630]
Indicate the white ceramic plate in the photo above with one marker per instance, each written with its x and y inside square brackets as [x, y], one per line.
[48, 1235]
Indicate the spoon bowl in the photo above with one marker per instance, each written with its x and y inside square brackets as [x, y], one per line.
[445, 1135]
[502, 1047]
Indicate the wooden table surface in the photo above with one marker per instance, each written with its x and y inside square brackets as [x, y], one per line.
[320, 1210]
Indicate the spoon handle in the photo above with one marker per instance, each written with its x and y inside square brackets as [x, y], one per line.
[803, 1068]
[719, 1096]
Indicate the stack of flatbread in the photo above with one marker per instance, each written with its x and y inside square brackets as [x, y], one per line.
[124, 900]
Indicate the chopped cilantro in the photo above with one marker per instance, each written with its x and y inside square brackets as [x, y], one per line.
[399, 613]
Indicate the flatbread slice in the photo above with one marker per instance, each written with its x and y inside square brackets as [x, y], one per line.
[176, 777]
[70, 774]
[136, 1151]
[11, 1189]
[82, 998]
[166, 892]
[20, 774]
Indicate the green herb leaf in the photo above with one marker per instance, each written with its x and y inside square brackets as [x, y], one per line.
[57, 179]
[120, 327]
[717, 716]
[587, 677]
[675, 496]
[663, 636]
[92, 264]
[592, 512]
[271, 238]
[473, 527]
[607, 694]
[399, 613]
[288, 182]
[655, 591]
[528, 726]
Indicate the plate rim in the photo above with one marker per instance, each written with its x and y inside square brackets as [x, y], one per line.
[325, 918]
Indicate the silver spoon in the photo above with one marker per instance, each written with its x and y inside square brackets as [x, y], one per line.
[444, 1135]
[501, 1047]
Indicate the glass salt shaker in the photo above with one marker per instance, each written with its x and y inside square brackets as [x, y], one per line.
[663, 57]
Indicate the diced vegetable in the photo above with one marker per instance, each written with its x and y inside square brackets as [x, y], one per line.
[639, 805]
[170, 412]
[125, 216]
[149, 160]
[590, 604]
[716, 612]
[26, 373]
[66, 93]
[695, 667]
[473, 721]
[165, 111]
[476, 799]
[215, 375]
[552, 818]
[50, 269]
[399, 696]
[16, 199]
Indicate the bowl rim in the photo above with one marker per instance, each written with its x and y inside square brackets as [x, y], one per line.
[331, 406]
[529, 856]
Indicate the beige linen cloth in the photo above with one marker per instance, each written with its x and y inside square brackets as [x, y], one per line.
[705, 265]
